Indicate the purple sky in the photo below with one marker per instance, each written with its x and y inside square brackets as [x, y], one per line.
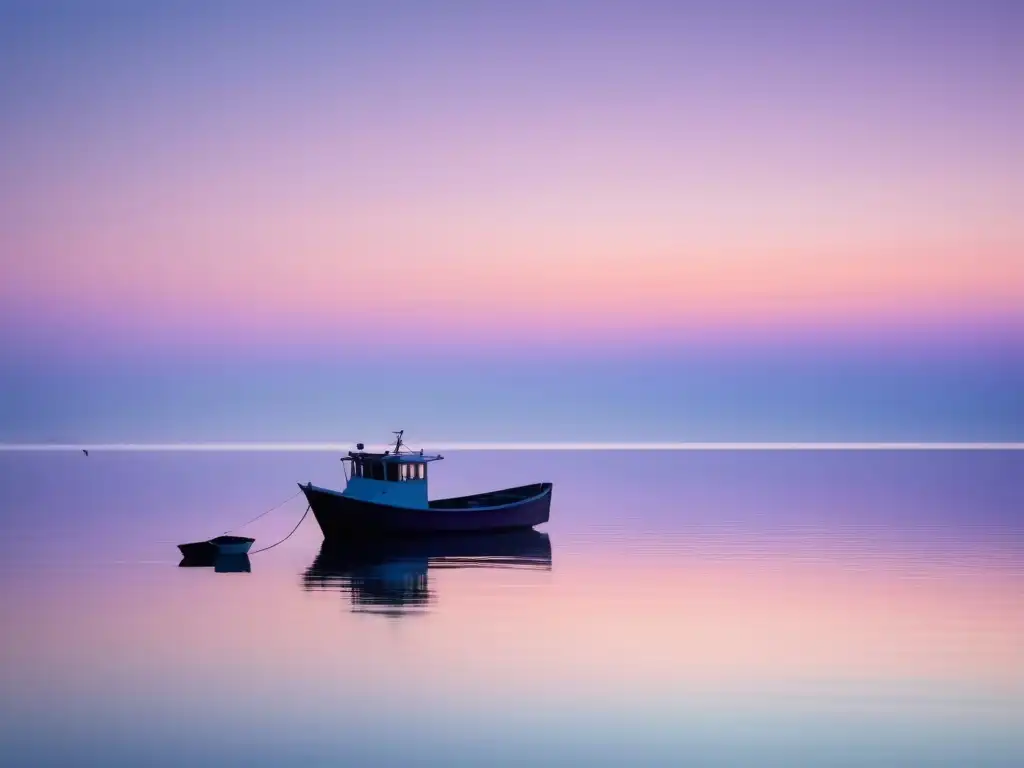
[194, 194]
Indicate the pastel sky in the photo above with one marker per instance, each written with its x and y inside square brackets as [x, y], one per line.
[241, 181]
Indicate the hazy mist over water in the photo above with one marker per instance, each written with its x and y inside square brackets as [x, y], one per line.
[748, 608]
[775, 392]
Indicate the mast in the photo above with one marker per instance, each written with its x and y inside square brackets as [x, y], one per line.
[398, 441]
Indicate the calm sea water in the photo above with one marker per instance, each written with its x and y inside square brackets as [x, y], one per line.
[761, 609]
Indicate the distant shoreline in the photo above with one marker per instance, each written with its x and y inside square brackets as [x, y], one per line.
[527, 446]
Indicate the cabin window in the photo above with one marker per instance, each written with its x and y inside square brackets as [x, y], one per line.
[357, 469]
[415, 471]
[392, 471]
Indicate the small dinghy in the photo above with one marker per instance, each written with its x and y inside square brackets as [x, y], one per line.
[221, 545]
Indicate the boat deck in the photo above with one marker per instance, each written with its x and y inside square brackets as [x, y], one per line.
[491, 498]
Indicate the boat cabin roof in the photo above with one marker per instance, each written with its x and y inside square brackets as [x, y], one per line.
[399, 458]
[393, 456]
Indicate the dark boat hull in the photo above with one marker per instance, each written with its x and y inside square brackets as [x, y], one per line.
[521, 547]
[199, 550]
[342, 516]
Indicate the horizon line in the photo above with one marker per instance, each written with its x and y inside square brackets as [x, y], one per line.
[523, 446]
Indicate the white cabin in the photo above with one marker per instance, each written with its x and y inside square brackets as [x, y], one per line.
[392, 477]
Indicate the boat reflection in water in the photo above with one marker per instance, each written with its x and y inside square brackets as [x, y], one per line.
[231, 563]
[390, 576]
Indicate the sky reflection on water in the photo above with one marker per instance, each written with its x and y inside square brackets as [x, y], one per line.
[734, 609]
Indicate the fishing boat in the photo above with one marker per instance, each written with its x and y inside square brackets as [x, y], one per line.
[386, 494]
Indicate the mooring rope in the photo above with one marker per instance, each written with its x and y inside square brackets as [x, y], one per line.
[261, 514]
[282, 541]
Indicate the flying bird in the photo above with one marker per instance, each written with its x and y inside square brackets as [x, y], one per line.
[85, 452]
